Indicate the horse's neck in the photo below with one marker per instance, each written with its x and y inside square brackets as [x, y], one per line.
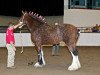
[33, 25]
[49, 27]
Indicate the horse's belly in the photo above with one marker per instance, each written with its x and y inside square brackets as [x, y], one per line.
[51, 41]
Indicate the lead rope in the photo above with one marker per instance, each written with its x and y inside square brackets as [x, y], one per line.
[21, 42]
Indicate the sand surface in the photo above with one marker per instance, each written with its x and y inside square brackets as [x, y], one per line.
[55, 65]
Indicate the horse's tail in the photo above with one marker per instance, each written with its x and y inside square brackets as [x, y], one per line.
[78, 33]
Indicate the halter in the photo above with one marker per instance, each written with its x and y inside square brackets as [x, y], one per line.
[21, 23]
[21, 42]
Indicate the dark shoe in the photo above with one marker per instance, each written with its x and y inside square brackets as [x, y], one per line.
[31, 63]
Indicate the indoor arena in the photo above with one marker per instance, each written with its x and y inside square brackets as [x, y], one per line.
[40, 37]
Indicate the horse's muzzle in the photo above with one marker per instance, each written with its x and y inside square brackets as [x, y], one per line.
[21, 24]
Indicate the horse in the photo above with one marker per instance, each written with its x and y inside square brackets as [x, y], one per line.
[43, 34]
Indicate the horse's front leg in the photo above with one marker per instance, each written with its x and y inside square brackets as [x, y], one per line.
[41, 61]
[75, 61]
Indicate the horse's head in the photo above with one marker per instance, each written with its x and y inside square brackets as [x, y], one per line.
[31, 19]
[22, 20]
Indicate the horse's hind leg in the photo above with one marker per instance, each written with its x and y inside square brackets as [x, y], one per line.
[75, 61]
[41, 61]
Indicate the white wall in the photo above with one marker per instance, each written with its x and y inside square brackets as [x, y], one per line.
[81, 17]
[66, 4]
[20, 40]
[85, 39]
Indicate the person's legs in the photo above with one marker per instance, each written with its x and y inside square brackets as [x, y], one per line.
[54, 49]
[11, 56]
[57, 49]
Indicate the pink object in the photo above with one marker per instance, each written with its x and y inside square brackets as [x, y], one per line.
[10, 36]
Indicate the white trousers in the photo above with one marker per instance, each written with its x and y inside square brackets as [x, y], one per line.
[11, 56]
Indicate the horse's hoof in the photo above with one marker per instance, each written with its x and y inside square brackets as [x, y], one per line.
[38, 65]
[73, 68]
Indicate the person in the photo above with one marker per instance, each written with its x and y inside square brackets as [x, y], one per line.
[10, 44]
[55, 49]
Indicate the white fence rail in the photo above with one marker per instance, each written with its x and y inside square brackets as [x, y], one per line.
[85, 39]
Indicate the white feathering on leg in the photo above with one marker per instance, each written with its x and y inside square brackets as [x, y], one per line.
[43, 58]
[37, 64]
[75, 63]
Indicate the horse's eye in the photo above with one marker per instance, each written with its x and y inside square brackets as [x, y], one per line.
[20, 20]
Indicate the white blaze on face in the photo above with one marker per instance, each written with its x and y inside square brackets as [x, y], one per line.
[20, 24]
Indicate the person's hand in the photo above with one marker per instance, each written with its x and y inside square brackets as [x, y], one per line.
[14, 49]
[13, 46]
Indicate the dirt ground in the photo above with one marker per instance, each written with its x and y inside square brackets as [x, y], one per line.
[55, 65]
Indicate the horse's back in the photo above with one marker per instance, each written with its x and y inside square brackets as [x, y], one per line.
[68, 28]
[69, 33]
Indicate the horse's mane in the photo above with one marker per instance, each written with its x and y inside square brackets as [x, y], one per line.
[37, 17]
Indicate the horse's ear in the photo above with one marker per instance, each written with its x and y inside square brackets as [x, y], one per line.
[23, 12]
[32, 13]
